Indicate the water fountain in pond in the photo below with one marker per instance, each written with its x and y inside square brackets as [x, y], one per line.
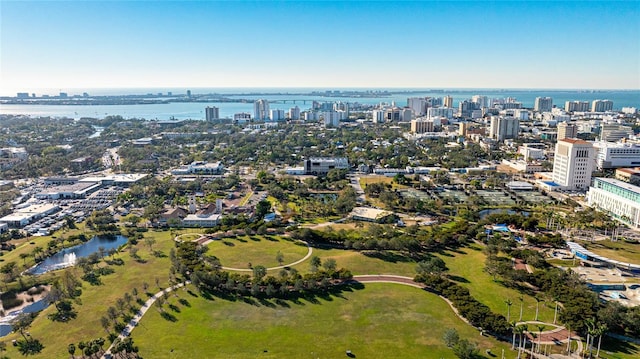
[68, 259]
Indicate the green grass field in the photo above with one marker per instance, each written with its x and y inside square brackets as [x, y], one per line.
[469, 265]
[359, 263]
[256, 249]
[96, 299]
[619, 250]
[379, 321]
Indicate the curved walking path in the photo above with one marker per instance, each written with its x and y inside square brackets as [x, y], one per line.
[207, 241]
[136, 319]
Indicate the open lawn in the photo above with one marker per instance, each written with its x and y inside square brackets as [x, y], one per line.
[256, 249]
[361, 263]
[618, 250]
[380, 321]
[468, 266]
[96, 299]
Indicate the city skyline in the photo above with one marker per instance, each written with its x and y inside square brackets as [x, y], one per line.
[118, 44]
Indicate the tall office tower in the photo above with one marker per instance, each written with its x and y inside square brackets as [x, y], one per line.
[503, 128]
[377, 116]
[447, 101]
[573, 164]
[261, 110]
[567, 130]
[601, 105]
[482, 101]
[212, 113]
[576, 106]
[465, 108]
[543, 104]
[418, 105]
[462, 130]
[294, 113]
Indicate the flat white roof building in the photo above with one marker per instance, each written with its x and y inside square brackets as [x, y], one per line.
[619, 199]
[369, 214]
[617, 154]
[201, 220]
[200, 168]
[24, 216]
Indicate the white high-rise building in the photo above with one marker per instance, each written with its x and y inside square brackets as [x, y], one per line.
[212, 113]
[576, 106]
[543, 104]
[482, 101]
[294, 113]
[601, 106]
[418, 105]
[503, 128]
[276, 115]
[433, 112]
[378, 116]
[261, 110]
[573, 164]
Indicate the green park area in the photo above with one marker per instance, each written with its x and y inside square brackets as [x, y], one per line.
[378, 320]
[466, 266]
[238, 252]
[94, 301]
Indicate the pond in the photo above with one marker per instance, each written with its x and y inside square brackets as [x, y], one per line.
[68, 256]
[5, 327]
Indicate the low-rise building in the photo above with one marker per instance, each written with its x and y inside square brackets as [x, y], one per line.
[322, 165]
[629, 175]
[71, 191]
[617, 154]
[30, 214]
[368, 214]
[204, 220]
[200, 168]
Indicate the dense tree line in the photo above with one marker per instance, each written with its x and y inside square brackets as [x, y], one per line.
[478, 314]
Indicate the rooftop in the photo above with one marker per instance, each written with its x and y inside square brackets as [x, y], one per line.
[618, 183]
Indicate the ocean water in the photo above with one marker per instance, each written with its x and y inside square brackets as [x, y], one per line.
[283, 98]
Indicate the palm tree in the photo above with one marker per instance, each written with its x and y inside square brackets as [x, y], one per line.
[602, 328]
[538, 300]
[514, 330]
[555, 313]
[508, 302]
[540, 327]
[521, 299]
[590, 323]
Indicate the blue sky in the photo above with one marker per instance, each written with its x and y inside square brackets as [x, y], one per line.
[423, 44]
